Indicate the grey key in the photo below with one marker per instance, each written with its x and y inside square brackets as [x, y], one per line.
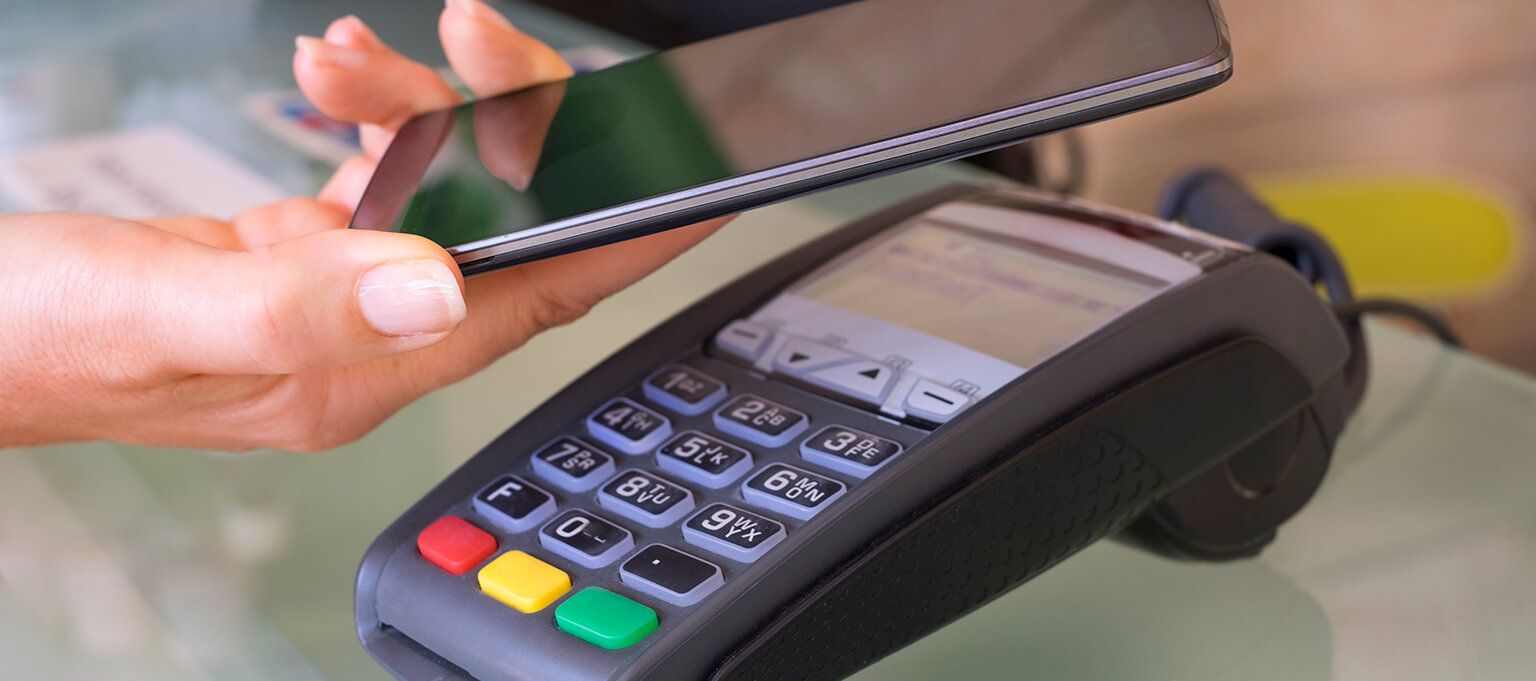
[671, 575]
[761, 421]
[864, 380]
[628, 427]
[732, 532]
[514, 504]
[794, 492]
[850, 451]
[586, 539]
[744, 339]
[684, 390]
[645, 498]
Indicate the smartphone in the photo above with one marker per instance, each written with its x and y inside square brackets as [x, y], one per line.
[777, 111]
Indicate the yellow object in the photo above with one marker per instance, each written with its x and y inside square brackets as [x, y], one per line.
[522, 582]
[1417, 235]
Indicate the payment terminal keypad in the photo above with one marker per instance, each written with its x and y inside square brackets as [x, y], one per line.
[661, 494]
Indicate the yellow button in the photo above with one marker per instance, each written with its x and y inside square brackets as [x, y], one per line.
[523, 582]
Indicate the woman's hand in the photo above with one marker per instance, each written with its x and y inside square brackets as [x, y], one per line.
[281, 328]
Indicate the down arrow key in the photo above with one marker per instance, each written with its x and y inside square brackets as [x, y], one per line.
[800, 355]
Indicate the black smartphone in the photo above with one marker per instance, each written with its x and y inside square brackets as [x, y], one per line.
[777, 111]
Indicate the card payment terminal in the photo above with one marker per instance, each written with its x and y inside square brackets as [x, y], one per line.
[865, 439]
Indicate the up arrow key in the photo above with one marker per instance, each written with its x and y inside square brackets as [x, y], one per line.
[863, 380]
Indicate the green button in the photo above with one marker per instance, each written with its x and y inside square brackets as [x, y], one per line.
[605, 619]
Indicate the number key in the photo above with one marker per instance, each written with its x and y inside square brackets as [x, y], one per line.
[629, 427]
[572, 464]
[846, 450]
[794, 492]
[586, 539]
[733, 532]
[647, 499]
[684, 390]
[755, 419]
[709, 461]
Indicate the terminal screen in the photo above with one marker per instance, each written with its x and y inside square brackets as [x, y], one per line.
[1015, 300]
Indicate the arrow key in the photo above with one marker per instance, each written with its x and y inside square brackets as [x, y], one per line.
[799, 356]
[863, 380]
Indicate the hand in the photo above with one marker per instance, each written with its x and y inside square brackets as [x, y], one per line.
[280, 328]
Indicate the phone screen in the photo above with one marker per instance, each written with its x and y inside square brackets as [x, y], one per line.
[765, 98]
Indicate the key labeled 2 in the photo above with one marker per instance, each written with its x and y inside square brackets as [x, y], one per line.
[795, 492]
[732, 532]
[646, 499]
[761, 421]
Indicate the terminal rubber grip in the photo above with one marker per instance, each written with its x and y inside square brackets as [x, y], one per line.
[1016, 522]
[1049, 499]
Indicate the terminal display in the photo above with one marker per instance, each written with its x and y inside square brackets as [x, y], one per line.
[957, 284]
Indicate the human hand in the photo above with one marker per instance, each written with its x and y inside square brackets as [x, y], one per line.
[280, 328]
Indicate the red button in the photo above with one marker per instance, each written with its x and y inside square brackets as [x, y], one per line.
[454, 545]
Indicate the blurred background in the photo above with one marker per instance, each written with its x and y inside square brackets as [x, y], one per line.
[1404, 127]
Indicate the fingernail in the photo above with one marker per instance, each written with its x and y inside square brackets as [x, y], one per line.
[411, 298]
[350, 31]
[520, 181]
[478, 10]
[328, 54]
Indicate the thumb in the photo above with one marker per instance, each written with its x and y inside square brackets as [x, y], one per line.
[330, 298]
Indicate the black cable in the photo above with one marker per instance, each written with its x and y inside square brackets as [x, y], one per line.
[1431, 322]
